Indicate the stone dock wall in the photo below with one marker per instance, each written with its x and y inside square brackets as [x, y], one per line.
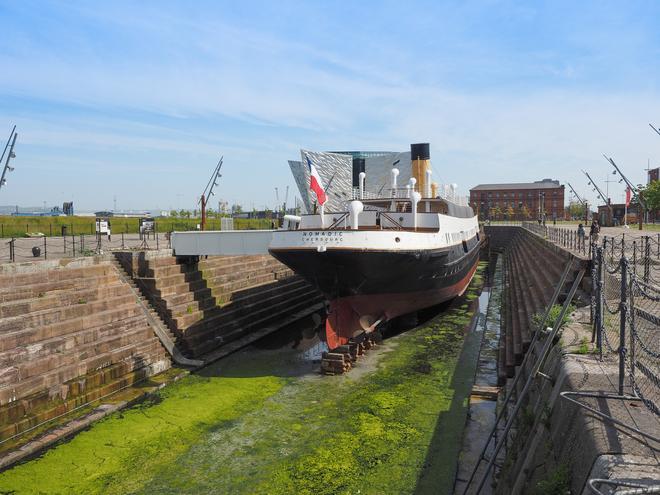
[71, 331]
[554, 442]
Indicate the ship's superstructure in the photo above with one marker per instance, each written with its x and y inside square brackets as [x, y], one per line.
[379, 255]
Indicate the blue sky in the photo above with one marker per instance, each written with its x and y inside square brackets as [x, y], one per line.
[139, 99]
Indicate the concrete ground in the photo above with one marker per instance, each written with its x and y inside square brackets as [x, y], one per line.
[78, 245]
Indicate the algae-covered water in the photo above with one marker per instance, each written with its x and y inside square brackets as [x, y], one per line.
[263, 421]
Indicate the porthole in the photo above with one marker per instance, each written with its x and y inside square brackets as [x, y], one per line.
[396, 239]
[400, 219]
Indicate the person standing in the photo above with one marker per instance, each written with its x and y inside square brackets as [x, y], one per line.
[594, 230]
[580, 234]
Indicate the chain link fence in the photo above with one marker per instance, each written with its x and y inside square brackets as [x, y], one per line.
[627, 319]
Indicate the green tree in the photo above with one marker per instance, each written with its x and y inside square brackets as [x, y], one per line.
[524, 211]
[174, 213]
[575, 209]
[651, 195]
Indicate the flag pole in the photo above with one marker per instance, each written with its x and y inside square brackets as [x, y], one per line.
[322, 217]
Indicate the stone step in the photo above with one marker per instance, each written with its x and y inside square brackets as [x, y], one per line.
[37, 408]
[247, 296]
[240, 267]
[208, 331]
[65, 313]
[163, 282]
[8, 294]
[136, 356]
[214, 261]
[99, 349]
[15, 280]
[169, 270]
[208, 344]
[249, 274]
[35, 335]
[224, 292]
[70, 341]
[220, 315]
[55, 299]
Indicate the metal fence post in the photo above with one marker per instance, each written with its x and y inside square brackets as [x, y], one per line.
[45, 249]
[12, 253]
[600, 321]
[64, 242]
[122, 241]
[622, 322]
[647, 259]
[73, 243]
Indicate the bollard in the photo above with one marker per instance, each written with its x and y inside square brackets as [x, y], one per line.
[622, 322]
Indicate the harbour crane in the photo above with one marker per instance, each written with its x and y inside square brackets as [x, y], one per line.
[208, 190]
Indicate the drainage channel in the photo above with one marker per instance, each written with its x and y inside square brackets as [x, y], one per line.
[482, 409]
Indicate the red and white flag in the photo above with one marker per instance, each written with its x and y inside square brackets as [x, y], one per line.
[315, 183]
[628, 196]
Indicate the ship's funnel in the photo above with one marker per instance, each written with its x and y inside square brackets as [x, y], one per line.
[420, 157]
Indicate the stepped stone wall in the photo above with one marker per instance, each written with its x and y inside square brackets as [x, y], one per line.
[532, 269]
[71, 331]
[216, 300]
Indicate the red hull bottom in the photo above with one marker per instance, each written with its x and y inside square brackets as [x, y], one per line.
[353, 315]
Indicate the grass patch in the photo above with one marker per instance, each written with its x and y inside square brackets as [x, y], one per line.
[11, 226]
[555, 311]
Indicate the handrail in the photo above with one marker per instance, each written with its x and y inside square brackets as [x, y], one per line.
[338, 221]
[396, 224]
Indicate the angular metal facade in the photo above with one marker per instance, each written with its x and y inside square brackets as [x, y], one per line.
[302, 181]
[336, 171]
[336, 174]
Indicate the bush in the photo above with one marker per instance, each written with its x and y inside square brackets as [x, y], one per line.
[555, 311]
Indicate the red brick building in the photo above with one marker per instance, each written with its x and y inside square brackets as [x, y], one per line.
[521, 201]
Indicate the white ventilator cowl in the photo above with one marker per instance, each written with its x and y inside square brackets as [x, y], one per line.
[355, 208]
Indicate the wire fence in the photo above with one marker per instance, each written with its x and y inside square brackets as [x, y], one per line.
[627, 322]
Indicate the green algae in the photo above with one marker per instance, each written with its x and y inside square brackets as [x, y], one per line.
[394, 429]
[118, 454]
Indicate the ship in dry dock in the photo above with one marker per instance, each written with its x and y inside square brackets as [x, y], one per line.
[386, 253]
